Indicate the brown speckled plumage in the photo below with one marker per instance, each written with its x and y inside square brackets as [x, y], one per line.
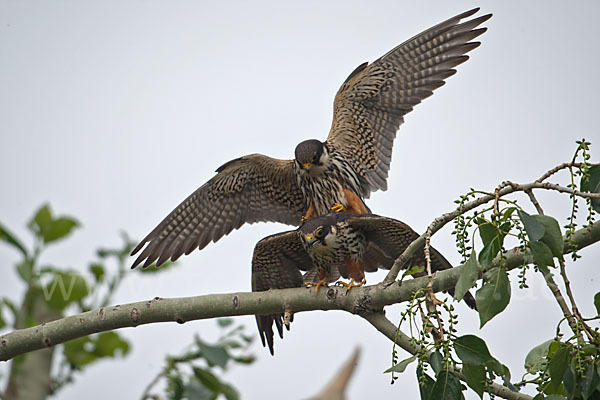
[368, 110]
[279, 259]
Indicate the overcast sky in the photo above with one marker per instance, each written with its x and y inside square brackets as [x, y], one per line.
[115, 111]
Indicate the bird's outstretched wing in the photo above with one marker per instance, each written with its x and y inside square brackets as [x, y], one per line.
[388, 238]
[370, 105]
[276, 264]
[248, 189]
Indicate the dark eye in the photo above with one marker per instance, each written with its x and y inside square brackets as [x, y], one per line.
[319, 233]
[314, 159]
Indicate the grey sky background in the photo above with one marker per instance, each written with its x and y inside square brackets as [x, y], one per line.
[114, 112]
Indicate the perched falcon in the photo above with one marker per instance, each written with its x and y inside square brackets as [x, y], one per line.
[329, 247]
[333, 175]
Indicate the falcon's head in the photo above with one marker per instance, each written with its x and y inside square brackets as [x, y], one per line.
[311, 157]
[320, 234]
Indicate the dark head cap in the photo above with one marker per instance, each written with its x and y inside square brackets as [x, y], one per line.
[309, 152]
[309, 226]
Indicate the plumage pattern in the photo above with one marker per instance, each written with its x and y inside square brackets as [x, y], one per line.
[372, 102]
[276, 264]
[249, 189]
[376, 241]
[354, 161]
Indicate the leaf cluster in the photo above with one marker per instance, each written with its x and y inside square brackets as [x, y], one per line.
[195, 374]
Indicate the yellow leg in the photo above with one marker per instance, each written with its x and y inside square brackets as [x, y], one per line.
[317, 285]
[337, 207]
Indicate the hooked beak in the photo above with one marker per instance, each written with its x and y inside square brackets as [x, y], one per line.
[307, 166]
[310, 240]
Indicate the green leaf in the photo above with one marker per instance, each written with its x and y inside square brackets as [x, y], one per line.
[414, 269]
[552, 234]
[468, 277]
[401, 366]
[41, 218]
[2, 322]
[569, 382]
[558, 365]
[154, 269]
[214, 355]
[208, 379]
[197, 391]
[492, 239]
[224, 322]
[244, 359]
[487, 231]
[59, 228]
[98, 271]
[536, 358]
[487, 254]
[542, 255]
[493, 297]
[475, 377]
[592, 185]
[79, 352]
[426, 384]
[5, 236]
[175, 387]
[110, 344]
[25, 270]
[559, 362]
[447, 387]
[535, 229]
[50, 229]
[589, 382]
[499, 369]
[13, 309]
[229, 392]
[597, 303]
[65, 288]
[435, 360]
[472, 350]
[589, 349]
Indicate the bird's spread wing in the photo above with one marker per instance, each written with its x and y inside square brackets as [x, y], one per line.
[370, 105]
[391, 237]
[249, 189]
[276, 264]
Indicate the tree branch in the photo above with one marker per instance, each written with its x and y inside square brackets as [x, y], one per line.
[505, 188]
[357, 301]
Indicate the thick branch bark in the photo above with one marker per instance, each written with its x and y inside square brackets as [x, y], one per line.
[357, 301]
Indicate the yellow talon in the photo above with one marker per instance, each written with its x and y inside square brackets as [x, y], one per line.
[317, 285]
[337, 207]
[351, 284]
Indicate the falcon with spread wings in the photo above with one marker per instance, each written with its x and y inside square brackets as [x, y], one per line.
[337, 174]
[329, 247]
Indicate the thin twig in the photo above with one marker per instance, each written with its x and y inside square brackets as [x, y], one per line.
[574, 308]
[534, 201]
[439, 222]
[550, 280]
[558, 168]
[146, 394]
